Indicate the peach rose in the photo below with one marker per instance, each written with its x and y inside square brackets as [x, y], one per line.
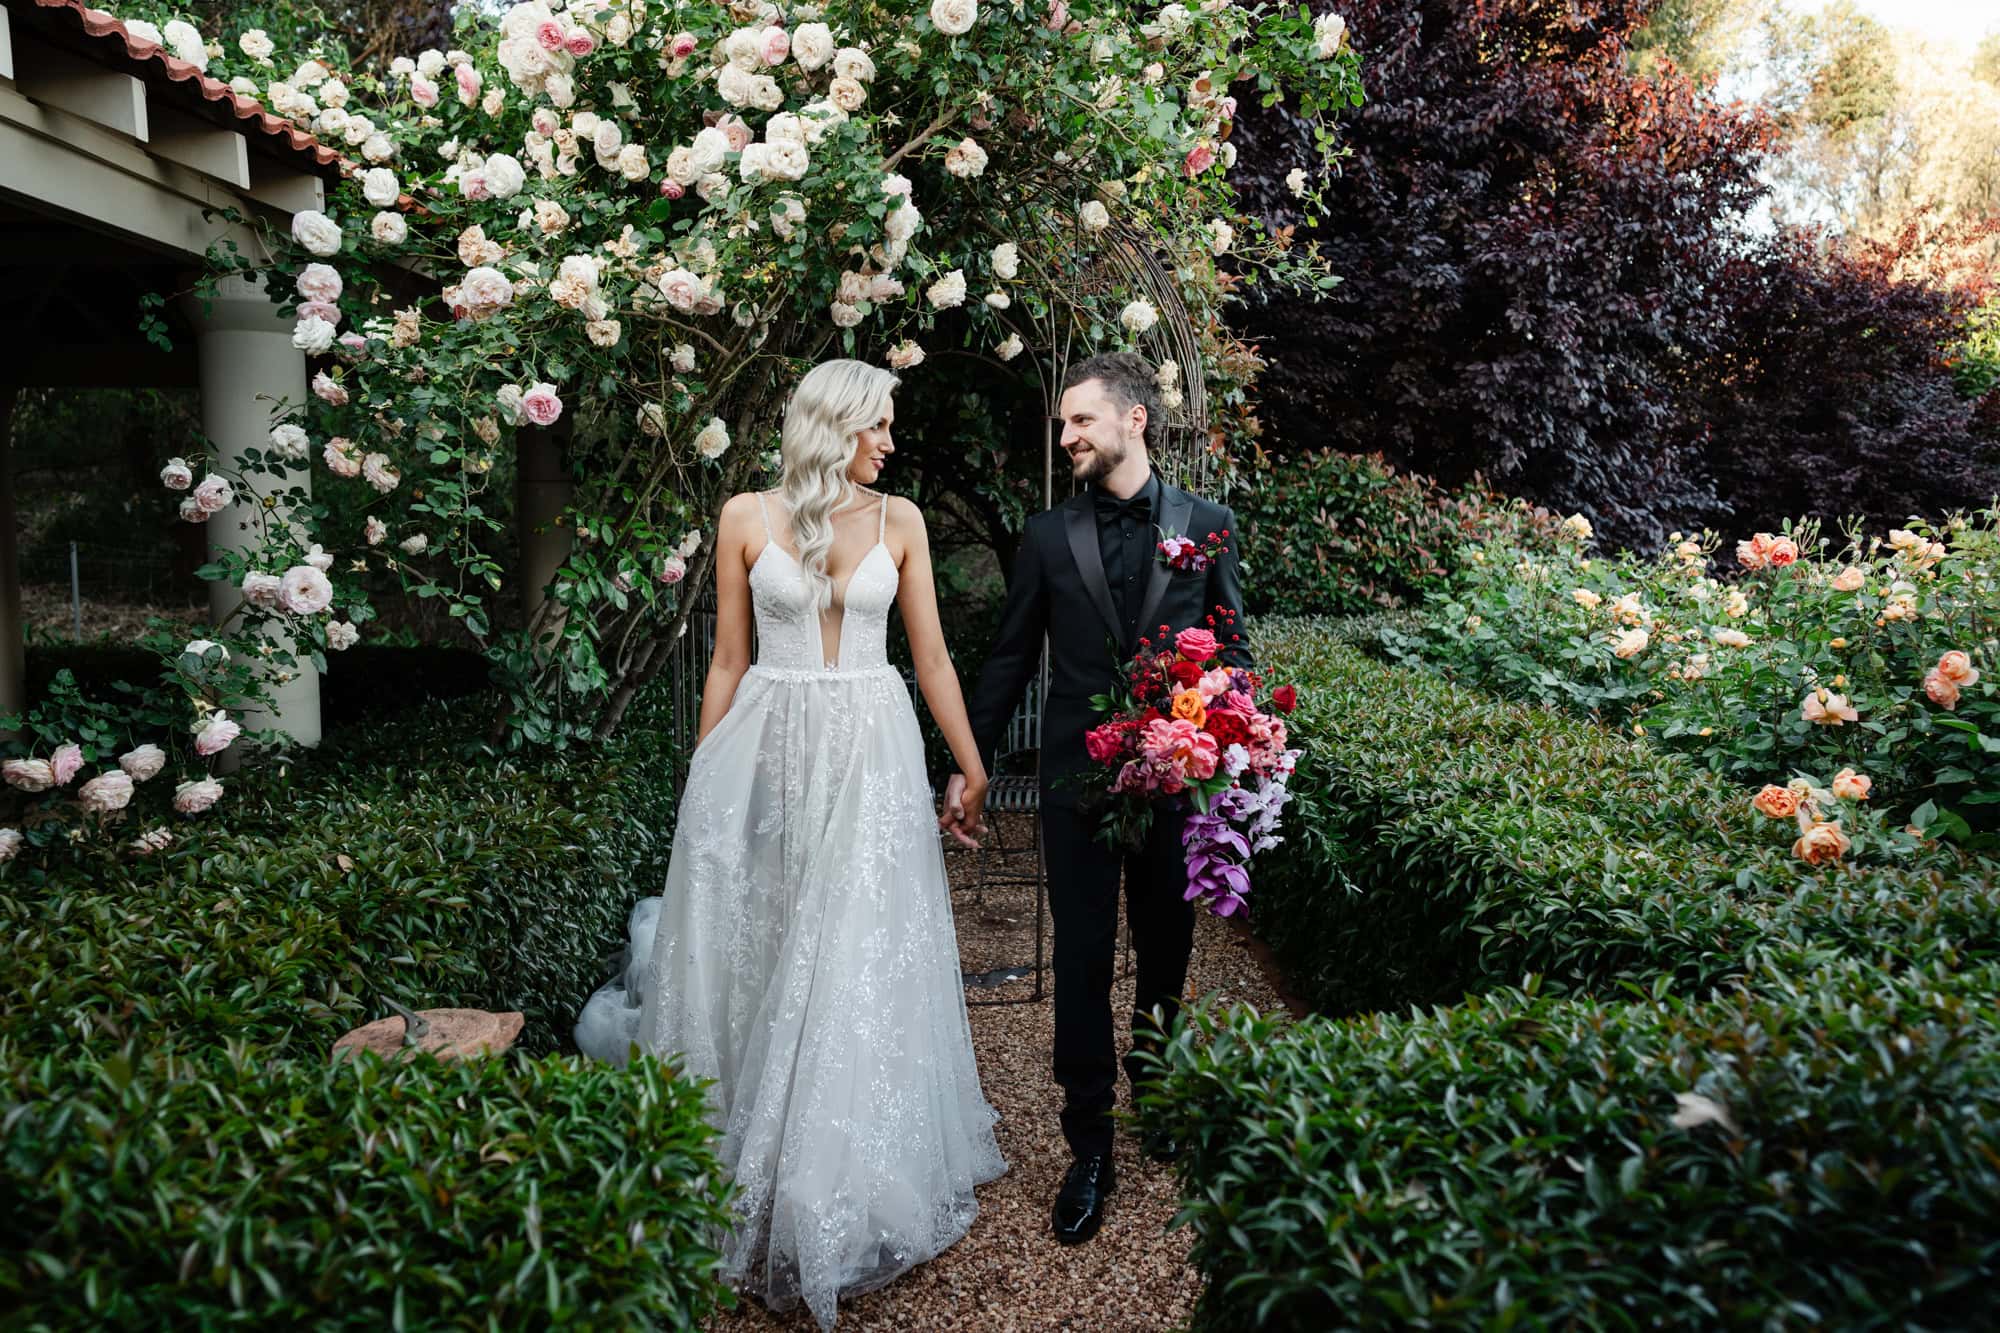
[1783, 552]
[1942, 691]
[1821, 843]
[1849, 785]
[1849, 579]
[1957, 668]
[1188, 706]
[1776, 802]
[1828, 709]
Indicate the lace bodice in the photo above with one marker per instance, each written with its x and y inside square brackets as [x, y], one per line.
[789, 634]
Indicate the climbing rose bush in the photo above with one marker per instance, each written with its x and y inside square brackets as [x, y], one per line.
[635, 225]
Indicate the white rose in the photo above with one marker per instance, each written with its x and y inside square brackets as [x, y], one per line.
[847, 94]
[812, 45]
[713, 440]
[313, 335]
[305, 591]
[257, 44]
[853, 63]
[388, 228]
[290, 442]
[947, 291]
[711, 148]
[632, 163]
[682, 358]
[1094, 216]
[787, 161]
[845, 315]
[1139, 316]
[144, 31]
[504, 175]
[340, 636]
[1220, 236]
[377, 148]
[176, 475]
[1006, 260]
[380, 187]
[905, 354]
[261, 590]
[316, 232]
[187, 44]
[430, 62]
[999, 300]
[965, 159]
[954, 17]
[902, 223]
[415, 544]
[1295, 180]
[1009, 349]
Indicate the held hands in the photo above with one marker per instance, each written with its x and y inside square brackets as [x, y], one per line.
[964, 809]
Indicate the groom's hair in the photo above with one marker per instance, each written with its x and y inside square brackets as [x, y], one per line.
[1128, 378]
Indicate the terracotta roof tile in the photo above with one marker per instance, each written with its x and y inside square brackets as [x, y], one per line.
[154, 58]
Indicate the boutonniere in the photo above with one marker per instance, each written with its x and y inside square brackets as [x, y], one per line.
[1180, 552]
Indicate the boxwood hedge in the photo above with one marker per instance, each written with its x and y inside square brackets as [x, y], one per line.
[179, 1151]
[1444, 842]
[1523, 1161]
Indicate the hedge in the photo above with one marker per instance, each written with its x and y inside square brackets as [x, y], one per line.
[178, 1150]
[1445, 843]
[1516, 1161]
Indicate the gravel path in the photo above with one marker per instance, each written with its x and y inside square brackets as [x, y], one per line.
[1009, 1275]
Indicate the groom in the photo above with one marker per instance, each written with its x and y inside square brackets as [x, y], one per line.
[1089, 574]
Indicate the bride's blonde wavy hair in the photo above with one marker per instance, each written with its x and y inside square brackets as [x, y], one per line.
[833, 404]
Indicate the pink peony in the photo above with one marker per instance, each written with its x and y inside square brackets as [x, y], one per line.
[106, 792]
[143, 762]
[28, 774]
[65, 762]
[541, 405]
[1196, 644]
[215, 735]
[191, 798]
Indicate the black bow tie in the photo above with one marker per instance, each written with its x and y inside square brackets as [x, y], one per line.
[1110, 506]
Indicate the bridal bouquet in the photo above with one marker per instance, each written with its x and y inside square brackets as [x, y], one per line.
[1194, 740]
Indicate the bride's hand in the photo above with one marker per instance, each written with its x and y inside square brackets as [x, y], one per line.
[955, 819]
[973, 805]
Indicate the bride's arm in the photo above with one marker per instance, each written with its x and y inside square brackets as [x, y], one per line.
[936, 677]
[732, 613]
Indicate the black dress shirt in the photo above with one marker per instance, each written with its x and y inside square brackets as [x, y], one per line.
[1126, 540]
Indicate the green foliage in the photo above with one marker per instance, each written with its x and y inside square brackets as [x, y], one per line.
[1975, 365]
[178, 1150]
[1724, 672]
[1447, 842]
[193, 1187]
[1825, 1154]
[1333, 533]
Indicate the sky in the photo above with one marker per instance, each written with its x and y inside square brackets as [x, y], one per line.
[1962, 21]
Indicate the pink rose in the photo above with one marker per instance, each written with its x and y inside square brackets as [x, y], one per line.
[1828, 709]
[143, 762]
[191, 798]
[1941, 690]
[341, 458]
[320, 282]
[423, 92]
[65, 762]
[28, 774]
[540, 405]
[550, 35]
[672, 189]
[737, 131]
[672, 570]
[215, 736]
[774, 46]
[684, 44]
[579, 42]
[468, 83]
[325, 310]
[329, 390]
[1103, 744]
[106, 792]
[1198, 160]
[1195, 644]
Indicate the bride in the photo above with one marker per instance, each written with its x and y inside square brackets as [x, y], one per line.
[802, 952]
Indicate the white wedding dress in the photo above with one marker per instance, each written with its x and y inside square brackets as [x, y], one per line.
[803, 956]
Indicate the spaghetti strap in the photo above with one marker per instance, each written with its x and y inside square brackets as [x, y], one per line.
[882, 521]
[764, 514]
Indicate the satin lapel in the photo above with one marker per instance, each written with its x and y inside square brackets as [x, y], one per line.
[1081, 522]
[1176, 507]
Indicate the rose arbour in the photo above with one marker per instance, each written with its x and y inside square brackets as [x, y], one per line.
[642, 222]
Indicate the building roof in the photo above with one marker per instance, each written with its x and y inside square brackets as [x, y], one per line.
[152, 63]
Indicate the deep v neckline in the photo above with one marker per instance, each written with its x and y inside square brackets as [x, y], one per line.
[771, 544]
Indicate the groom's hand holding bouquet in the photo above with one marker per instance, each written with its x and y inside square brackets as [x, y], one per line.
[1191, 739]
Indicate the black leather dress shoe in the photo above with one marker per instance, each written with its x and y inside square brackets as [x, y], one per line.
[1081, 1201]
[1161, 1147]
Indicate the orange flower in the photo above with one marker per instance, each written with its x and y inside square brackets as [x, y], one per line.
[1777, 802]
[1821, 843]
[1189, 707]
[1849, 785]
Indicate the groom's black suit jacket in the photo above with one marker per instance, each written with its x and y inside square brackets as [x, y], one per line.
[1058, 589]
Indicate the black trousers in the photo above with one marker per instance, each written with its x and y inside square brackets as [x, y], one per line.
[1083, 900]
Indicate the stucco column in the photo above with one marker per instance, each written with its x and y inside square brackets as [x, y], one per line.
[542, 490]
[248, 366]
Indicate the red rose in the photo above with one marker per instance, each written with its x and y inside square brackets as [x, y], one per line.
[1228, 728]
[1195, 644]
[1284, 698]
[1185, 673]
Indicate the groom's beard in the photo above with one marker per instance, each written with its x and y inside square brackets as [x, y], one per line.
[1098, 464]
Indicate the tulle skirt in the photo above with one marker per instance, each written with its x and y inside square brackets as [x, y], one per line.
[802, 954]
